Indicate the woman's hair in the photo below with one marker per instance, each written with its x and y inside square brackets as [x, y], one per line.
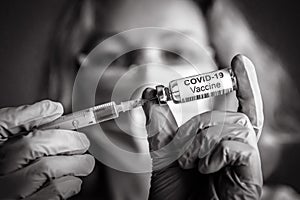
[229, 34]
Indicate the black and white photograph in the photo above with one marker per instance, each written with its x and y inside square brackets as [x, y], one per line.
[149, 100]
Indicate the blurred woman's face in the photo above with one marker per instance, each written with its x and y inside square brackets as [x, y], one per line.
[176, 46]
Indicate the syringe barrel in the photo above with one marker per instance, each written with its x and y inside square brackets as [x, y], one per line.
[72, 121]
[105, 112]
[84, 118]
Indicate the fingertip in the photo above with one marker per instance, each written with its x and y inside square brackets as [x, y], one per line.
[237, 64]
[243, 67]
[75, 183]
[149, 93]
[90, 160]
[83, 139]
[86, 164]
[237, 57]
[242, 78]
[72, 186]
[59, 107]
[46, 111]
[52, 106]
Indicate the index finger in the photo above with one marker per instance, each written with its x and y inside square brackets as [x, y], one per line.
[16, 119]
[161, 125]
[248, 93]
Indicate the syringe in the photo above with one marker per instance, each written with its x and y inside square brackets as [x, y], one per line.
[92, 115]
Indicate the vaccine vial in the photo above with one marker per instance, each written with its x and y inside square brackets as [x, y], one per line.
[198, 87]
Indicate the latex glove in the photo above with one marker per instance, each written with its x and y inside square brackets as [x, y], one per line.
[219, 143]
[42, 164]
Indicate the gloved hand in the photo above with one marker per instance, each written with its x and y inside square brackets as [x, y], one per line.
[41, 164]
[221, 145]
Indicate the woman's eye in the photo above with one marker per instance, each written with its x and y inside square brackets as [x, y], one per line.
[127, 59]
[172, 57]
[97, 60]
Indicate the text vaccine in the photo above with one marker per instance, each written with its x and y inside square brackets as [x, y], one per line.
[198, 87]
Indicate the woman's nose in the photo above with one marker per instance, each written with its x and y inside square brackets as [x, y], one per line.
[147, 56]
[147, 66]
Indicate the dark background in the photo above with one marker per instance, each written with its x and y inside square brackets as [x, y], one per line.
[26, 27]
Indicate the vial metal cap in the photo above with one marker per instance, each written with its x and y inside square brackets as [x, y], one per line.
[163, 94]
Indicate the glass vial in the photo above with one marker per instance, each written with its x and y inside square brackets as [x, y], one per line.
[198, 87]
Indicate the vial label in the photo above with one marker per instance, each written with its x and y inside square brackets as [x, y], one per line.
[205, 85]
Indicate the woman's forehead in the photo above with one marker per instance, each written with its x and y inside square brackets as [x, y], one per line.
[178, 15]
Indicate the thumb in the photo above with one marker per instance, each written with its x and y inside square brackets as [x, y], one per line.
[248, 93]
[24, 118]
[160, 123]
